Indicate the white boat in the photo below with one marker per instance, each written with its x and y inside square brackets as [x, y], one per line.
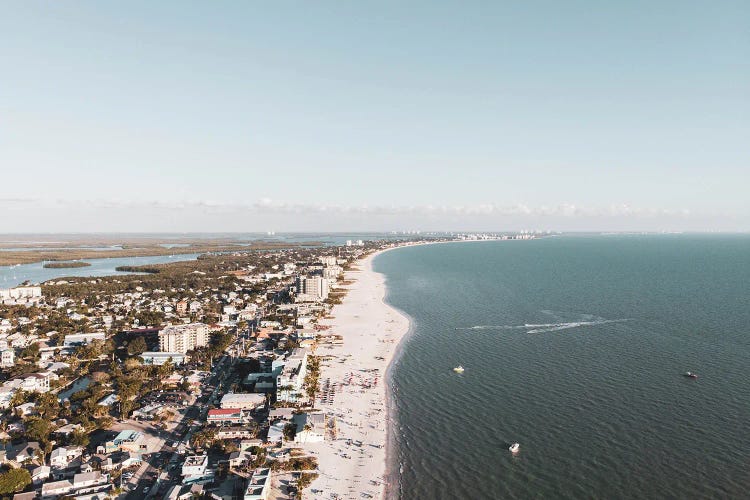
[459, 369]
[514, 448]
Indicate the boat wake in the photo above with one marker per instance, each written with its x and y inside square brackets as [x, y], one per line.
[545, 327]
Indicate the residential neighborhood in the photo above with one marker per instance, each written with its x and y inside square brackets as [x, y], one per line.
[191, 380]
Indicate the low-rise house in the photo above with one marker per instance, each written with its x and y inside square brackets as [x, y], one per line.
[68, 429]
[249, 401]
[148, 411]
[83, 339]
[55, 366]
[235, 432]
[123, 460]
[55, 489]
[281, 414]
[61, 457]
[83, 486]
[223, 416]
[47, 353]
[23, 452]
[159, 358]
[108, 400]
[25, 409]
[127, 440]
[88, 479]
[276, 432]
[40, 474]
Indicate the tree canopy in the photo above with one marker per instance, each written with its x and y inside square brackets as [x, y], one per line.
[14, 480]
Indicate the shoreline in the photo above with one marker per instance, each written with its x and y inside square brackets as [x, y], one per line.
[339, 475]
[359, 371]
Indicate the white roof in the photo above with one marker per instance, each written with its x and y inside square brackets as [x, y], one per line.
[252, 398]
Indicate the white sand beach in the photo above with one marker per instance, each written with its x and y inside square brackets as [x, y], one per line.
[353, 389]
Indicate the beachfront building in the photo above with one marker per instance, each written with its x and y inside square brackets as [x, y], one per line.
[259, 485]
[331, 273]
[83, 339]
[183, 338]
[292, 376]
[311, 427]
[312, 289]
[159, 358]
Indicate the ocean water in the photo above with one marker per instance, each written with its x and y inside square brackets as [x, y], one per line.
[575, 347]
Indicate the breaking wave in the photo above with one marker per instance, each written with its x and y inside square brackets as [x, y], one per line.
[544, 327]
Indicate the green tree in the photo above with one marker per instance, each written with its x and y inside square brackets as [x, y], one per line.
[79, 438]
[137, 346]
[38, 429]
[47, 405]
[14, 480]
[204, 437]
[290, 430]
[31, 351]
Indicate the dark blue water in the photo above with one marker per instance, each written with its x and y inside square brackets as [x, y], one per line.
[575, 347]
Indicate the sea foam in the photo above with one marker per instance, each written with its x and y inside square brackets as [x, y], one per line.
[544, 327]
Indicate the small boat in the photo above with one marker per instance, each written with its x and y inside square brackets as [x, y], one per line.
[459, 369]
[691, 375]
[514, 448]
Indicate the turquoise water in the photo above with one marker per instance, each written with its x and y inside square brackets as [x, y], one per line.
[575, 347]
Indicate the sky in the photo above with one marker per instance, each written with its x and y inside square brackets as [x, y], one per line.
[374, 116]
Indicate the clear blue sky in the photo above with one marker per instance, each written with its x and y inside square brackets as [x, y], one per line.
[200, 116]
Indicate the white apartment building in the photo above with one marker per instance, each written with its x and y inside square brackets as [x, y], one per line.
[292, 376]
[20, 294]
[328, 260]
[313, 288]
[7, 357]
[183, 338]
[331, 273]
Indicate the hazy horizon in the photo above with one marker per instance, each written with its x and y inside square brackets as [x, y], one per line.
[482, 116]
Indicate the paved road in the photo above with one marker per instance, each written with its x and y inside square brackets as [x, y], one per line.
[166, 458]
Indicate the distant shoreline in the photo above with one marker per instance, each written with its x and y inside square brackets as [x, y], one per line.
[136, 248]
[65, 265]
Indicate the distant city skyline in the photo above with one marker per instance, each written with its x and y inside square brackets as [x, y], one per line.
[482, 116]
